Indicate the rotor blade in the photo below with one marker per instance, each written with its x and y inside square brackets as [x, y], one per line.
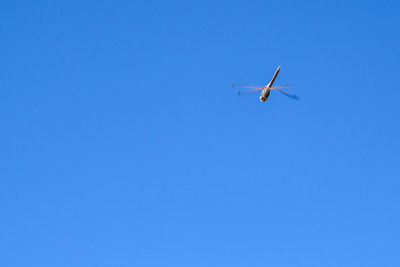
[282, 86]
[250, 90]
[286, 94]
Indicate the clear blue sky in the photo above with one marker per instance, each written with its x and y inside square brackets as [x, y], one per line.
[122, 143]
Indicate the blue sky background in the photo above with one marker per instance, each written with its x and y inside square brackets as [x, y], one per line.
[122, 143]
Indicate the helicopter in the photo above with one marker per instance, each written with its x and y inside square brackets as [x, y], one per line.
[266, 90]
